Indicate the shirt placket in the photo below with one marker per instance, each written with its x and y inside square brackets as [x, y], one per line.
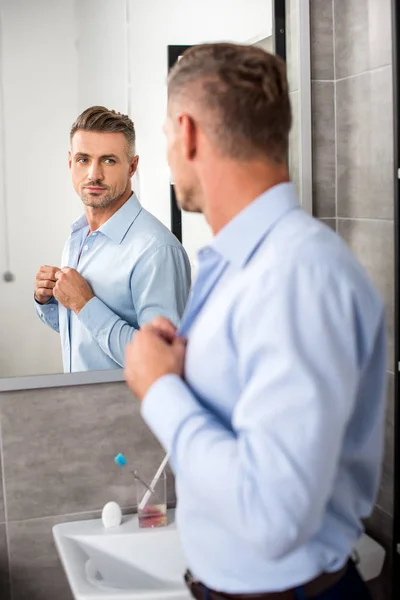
[211, 267]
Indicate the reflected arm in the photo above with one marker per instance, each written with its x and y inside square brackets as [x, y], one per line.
[48, 313]
[160, 284]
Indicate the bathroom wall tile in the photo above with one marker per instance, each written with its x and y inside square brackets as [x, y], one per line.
[294, 140]
[386, 491]
[323, 140]
[321, 30]
[4, 569]
[362, 35]
[59, 446]
[36, 571]
[330, 223]
[292, 44]
[373, 244]
[380, 587]
[380, 527]
[365, 172]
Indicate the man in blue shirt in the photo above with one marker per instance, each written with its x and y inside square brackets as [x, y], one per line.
[270, 400]
[121, 267]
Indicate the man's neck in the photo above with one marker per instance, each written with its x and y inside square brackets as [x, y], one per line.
[96, 217]
[233, 189]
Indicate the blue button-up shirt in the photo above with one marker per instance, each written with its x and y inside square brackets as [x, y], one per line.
[137, 269]
[275, 435]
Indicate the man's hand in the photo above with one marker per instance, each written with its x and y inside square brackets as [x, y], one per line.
[154, 352]
[44, 283]
[164, 328]
[72, 290]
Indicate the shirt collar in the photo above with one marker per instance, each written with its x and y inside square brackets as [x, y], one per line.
[80, 223]
[117, 226]
[237, 241]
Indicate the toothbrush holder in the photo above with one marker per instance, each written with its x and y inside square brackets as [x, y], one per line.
[152, 507]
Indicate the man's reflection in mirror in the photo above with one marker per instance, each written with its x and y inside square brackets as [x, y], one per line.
[120, 267]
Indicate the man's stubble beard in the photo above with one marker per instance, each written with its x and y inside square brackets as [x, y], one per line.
[104, 202]
[188, 201]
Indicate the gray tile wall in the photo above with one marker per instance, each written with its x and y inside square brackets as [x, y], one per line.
[323, 109]
[57, 449]
[364, 145]
[324, 144]
[353, 171]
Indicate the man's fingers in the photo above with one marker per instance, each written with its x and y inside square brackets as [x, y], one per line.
[147, 331]
[46, 272]
[180, 342]
[44, 293]
[163, 323]
[46, 284]
[164, 328]
[48, 269]
[179, 347]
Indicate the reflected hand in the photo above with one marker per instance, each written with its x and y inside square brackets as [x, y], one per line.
[44, 283]
[149, 357]
[72, 290]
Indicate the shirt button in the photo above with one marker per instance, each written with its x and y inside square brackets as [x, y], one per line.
[86, 247]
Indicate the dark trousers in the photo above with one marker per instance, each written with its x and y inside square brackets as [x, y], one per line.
[350, 587]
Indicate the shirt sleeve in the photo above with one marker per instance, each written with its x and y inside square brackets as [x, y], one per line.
[48, 313]
[271, 473]
[160, 285]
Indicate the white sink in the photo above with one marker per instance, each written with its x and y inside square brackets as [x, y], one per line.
[122, 563]
[128, 563]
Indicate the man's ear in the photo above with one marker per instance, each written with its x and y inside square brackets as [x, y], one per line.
[133, 166]
[69, 159]
[189, 133]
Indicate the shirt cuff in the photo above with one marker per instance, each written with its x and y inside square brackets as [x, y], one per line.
[166, 407]
[96, 315]
[50, 302]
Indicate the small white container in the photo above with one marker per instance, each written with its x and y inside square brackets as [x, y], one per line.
[111, 515]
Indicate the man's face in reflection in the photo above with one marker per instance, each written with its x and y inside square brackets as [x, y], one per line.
[101, 166]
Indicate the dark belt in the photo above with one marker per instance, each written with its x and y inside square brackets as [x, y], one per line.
[311, 589]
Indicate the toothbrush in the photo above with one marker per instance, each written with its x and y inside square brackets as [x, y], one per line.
[153, 484]
[121, 461]
[136, 476]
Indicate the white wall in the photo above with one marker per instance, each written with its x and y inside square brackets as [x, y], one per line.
[155, 25]
[40, 100]
[59, 57]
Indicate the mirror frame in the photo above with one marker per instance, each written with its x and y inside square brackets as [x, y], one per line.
[33, 382]
[9, 384]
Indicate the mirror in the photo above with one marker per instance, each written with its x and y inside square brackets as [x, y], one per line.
[57, 58]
